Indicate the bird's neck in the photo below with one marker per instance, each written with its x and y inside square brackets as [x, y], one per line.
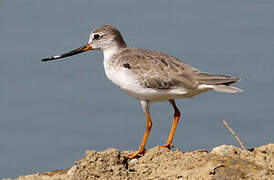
[110, 51]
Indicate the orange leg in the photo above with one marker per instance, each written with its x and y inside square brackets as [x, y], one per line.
[141, 149]
[177, 115]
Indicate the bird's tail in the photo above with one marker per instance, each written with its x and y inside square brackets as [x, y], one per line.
[220, 83]
[226, 88]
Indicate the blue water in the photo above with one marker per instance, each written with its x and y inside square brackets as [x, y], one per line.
[51, 113]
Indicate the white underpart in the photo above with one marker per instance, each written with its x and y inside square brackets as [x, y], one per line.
[205, 86]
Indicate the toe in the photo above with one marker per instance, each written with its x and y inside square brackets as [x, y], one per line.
[137, 154]
[167, 145]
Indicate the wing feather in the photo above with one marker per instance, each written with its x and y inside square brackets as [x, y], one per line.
[159, 71]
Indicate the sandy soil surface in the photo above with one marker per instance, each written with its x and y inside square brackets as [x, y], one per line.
[223, 162]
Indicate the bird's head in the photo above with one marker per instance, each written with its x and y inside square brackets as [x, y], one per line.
[102, 38]
[106, 37]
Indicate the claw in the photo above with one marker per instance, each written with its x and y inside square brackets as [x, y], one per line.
[167, 145]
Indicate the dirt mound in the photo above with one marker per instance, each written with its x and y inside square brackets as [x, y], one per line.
[223, 162]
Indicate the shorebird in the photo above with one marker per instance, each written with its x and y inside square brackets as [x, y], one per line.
[150, 76]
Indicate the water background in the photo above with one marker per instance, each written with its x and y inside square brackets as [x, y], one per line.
[51, 113]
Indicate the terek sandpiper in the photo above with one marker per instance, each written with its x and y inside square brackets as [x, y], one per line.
[150, 76]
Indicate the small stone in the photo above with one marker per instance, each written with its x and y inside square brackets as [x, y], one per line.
[225, 150]
[72, 170]
[133, 161]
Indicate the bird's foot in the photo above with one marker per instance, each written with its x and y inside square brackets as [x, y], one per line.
[167, 145]
[141, 151]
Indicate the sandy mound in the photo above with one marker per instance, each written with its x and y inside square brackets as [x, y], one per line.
[223, 162]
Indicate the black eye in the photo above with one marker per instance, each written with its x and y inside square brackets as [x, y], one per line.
[96, 36]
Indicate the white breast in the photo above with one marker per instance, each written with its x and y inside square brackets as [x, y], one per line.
[120, 76]
[123, 78]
